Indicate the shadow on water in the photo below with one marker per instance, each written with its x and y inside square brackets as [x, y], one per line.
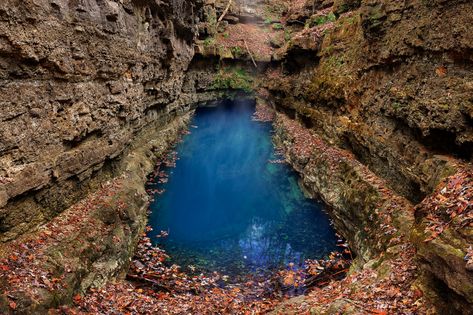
[228, 207]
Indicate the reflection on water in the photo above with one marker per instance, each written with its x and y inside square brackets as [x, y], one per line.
[227, 208]
[261, 250]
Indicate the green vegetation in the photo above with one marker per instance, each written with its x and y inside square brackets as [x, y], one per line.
[376, 18]
[331, 17]
[444, 107]
[237, 51]
[233, 78]
[320, 20]
[335, 61]
[343, 8]
[210, 16]
[209, 41]
[287, 35]
[350, 20]
[396, 106]
[274, 11]
[277, 26]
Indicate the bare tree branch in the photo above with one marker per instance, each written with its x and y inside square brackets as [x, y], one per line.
[224, 13]
[251, 55]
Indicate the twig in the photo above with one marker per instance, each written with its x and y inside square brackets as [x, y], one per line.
[297, 21]
[223, 14]
[151, 281]
[318, 278]
[251, 55]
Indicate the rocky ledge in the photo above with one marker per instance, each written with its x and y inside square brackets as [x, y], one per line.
[383, 88]
[91, 242]
[79, 80]
[400, 260]
[90, 98]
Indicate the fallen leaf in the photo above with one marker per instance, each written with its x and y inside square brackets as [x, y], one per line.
[77, 298]
[441, 71]
[12, 305]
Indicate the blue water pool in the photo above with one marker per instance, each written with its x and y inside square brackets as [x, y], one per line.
[228, 207]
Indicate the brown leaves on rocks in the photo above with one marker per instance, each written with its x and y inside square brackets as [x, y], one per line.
[263, 112]
[27, 272]
[450, 208]
[306, 150]
[385, 284]
[156, 287]
[367, 291]
[237, 35]
[451, 205]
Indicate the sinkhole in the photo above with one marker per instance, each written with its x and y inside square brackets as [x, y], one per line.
[229, 205]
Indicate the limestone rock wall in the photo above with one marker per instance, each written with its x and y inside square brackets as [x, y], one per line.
[389, 82]
[78, 79]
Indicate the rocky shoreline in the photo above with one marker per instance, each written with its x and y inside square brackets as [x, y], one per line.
[91, 242]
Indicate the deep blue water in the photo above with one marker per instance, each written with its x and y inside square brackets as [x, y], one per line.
[227, 208]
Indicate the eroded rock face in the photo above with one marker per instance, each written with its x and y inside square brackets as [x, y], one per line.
[443, 233]
[90, 93]
[388, 81]
[91, 242]
[388, 85]
[78, 80]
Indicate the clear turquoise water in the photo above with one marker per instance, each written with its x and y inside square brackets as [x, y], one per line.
[227, 208]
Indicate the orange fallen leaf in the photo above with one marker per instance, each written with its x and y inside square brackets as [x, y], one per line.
[289, 279]
[12, 305]
[13, 257]
[441, 198]
[418, 294]
[441, 71]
